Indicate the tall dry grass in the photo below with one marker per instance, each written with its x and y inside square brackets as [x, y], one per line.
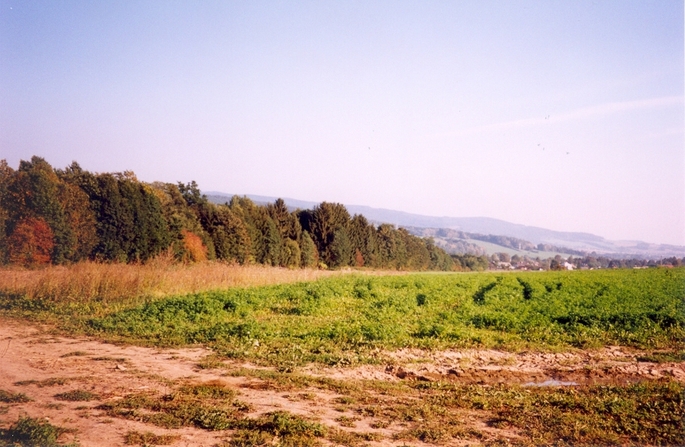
[88, 281]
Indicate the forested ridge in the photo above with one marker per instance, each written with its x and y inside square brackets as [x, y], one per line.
[69, 215]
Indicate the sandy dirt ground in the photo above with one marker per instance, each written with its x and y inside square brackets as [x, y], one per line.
[49, 364]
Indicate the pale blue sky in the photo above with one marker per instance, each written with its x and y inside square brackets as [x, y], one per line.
[561, 114]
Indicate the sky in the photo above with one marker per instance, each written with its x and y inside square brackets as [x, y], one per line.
[566, 115]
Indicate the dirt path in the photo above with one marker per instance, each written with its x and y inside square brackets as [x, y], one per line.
[40, 365]
[59, 365]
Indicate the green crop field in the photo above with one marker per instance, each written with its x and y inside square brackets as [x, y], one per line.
[346, 319]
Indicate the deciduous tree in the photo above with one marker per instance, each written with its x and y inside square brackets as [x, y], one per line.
[195, 250]
[31, 243]
[33, 192]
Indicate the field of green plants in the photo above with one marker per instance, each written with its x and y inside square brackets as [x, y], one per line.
[348, 319]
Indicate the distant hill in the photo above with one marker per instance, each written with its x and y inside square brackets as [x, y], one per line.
[573, 241]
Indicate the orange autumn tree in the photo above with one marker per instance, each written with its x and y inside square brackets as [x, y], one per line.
[31, 242]
[195, 250]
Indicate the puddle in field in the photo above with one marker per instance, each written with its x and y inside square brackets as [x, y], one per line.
[547, 383]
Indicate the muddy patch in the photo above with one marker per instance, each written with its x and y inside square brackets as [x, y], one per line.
[612, 365]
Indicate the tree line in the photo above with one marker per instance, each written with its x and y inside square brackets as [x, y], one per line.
[62, 216]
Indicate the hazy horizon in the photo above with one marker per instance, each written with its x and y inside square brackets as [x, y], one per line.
[563, 115]
[356, 205]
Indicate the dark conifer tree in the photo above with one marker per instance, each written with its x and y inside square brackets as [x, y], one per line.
[363, 240]
[153, 228]
[326, 219]
[249, 213]
[130, 220]
[6, 173]
[114, 226]
[272, 240]
[287, 223]
[230, 236]
[80, 218]
[291, 254]
[340, 249]
[385, 236]
[305, 217]
[310, 256]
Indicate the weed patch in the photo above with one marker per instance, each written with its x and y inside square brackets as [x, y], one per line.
[285, 425]
[213, 407]
[351, 438]
[75, 354]
[54, 381]
[77, 396]
[29, 432]
[346, 421]
[110, 359]
[644, 413]
[433, 412]
[13, 398]
[149, 438]
[209, 406]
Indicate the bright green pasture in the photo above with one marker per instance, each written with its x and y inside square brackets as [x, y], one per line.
[349, 319]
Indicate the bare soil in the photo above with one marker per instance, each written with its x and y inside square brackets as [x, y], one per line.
[40, 364]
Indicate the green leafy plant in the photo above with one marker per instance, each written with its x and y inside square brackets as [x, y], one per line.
[77, 396]
[32, 432]
[13, 398]
[148, 438]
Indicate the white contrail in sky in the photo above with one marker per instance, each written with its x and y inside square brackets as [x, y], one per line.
[617, 107]
[577, 114]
